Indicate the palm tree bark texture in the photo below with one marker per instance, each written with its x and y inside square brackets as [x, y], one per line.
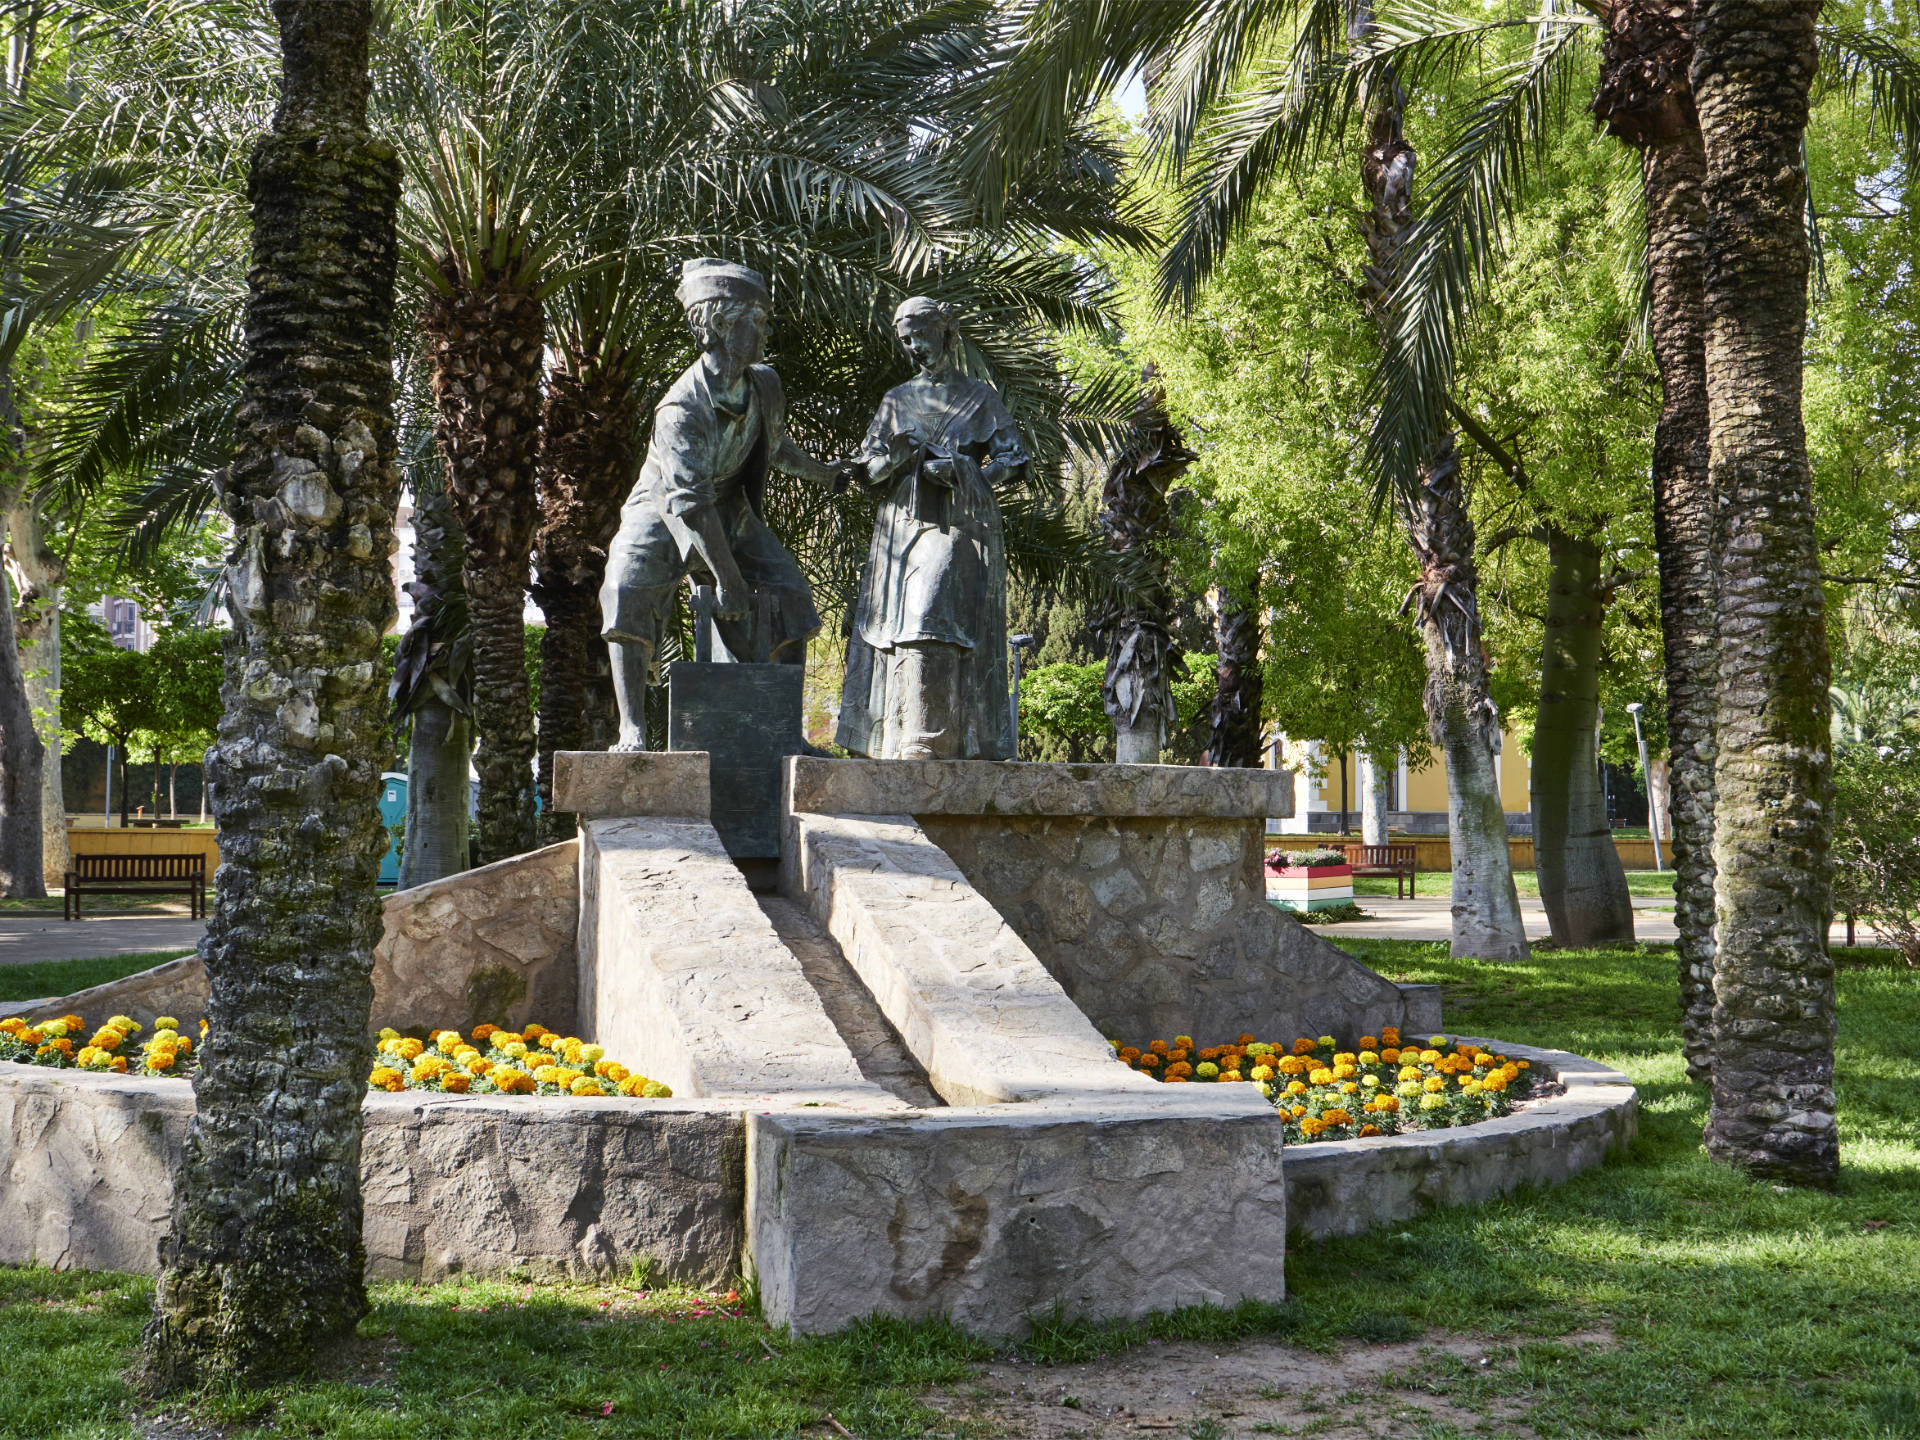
[1237, 730]
[1582, 884]
[1461, 716]
[263, 1267]
[1773, 1020]
[1645, 98]
[586, 469]
[38, 573]
[486, 340]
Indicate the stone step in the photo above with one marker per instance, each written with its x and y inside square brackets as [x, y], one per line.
[877, 1048]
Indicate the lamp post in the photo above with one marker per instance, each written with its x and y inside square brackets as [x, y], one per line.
[1646, 779]
[1019, 644]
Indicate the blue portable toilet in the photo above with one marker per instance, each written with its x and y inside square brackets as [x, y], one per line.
[393, 814]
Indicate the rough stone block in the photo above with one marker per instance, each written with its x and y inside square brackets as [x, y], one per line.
[991, 1215]
[604, 784]
[748, 718]
[684, 978]
[1011, 787]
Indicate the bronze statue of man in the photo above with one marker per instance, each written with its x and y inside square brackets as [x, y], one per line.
[696, 507]
[927, 659]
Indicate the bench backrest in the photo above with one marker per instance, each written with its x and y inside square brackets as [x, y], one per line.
[1382, 855]
[140, 867]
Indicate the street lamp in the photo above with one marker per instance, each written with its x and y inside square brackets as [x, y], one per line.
[1646, 779]
[1019, 644]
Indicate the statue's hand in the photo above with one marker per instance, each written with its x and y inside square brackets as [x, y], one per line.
[937, 469]
[730, 602]
[845, 473]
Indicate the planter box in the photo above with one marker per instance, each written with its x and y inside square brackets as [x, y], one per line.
[1309, 887]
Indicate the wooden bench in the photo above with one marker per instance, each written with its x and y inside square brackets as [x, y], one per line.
[1395, 861]
[138, 875]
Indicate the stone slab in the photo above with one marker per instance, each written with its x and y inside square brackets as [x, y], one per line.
[972, 1002]
[683, 978]
[605, 784]
[989, 1216]
[1348, 1187]
[748, 718]
[1011, 787]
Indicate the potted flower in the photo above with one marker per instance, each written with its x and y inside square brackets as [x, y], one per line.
[1310, 879]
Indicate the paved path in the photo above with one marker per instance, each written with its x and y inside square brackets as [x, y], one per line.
[25, 939]
[1430, 919]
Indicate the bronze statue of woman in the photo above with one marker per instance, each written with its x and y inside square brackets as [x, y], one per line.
[927, 659]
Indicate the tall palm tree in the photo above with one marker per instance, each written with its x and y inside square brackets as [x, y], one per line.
[263, 1265]
[1773, 1103]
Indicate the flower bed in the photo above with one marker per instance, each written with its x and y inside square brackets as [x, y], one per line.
[533, 1061]
[1324, 1093]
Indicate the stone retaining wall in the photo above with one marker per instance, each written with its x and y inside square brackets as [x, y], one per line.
[1348, 1187]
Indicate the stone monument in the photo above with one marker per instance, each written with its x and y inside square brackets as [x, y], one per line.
[695, 510]
[927, 659]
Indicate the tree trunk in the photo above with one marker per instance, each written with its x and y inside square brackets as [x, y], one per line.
[1237, 727]
[1373, 798]
[22, 757]
[37, 573]
[586, 470]
[1773, 1021]
[1582, 883]
[263, 1269]
[1137, 687]
[437, 758]
[1660, 799]
[487, 360]
[1645, 97]
[1461, 716]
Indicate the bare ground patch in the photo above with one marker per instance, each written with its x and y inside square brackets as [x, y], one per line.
[1234, 1392]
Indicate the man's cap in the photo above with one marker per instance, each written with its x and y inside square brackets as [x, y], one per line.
[922, 305]
[710, 279]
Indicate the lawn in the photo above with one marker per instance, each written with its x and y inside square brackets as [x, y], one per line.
[1724, 1308]
[36, 978]
[1433, 884]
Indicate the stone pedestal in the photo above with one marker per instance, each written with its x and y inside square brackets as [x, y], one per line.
[747, 719]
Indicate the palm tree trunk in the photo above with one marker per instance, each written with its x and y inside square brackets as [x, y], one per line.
[1582, 883]
[263, 1268]
[1237, 696]
[37, 573]
[22, 758]
[1461, 716]
[586, 470]
[1645, 98]
[487, 344]
[438, 754]
[1773, 1021]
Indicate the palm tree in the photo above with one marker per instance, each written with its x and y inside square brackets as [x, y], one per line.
[264, 1267]
[1773, 1103]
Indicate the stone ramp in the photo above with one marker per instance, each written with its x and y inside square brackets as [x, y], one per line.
[684, 978]
[877, 1048]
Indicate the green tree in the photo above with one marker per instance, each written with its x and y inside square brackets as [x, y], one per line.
[263, 1267]
[107, 696]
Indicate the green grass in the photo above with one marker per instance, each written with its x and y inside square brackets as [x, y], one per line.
[36, 978]
[93, 904]
[1724, 1308]
[1433, 884]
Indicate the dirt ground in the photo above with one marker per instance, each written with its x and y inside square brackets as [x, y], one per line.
[1200, 1392]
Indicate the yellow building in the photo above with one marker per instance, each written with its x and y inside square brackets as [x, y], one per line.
[1416, 797]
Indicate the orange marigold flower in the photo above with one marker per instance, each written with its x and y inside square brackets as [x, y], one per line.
[1369, 1042]
[1229, 1075]
[1149, 1062]
[1158, 1047]
[1390, 1056]
[1367, 1130]
[1183, 1042]
[1303, 1046]
[1245, 1039]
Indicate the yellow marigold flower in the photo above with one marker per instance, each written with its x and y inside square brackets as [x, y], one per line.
[477, 1064]
[387, 1032]
[1436, 1040]
[1260, 1047]
[514, 1050]
[125, 1024]
[585, 1085]
[1231, 1075]
[1467, 1082]
[54, 1029]
[654, 1090]
[1297, 1111]
[1345, 1072]
[1293, 1065]
[1296, 1087]
[548, 1074]
[1386, 1105]
[166, 1022]
[593, 1054]
[1263, 1072]
[1369, 1130]
[456, 1083]
[1344, 1057]
[108, 1038]
[1320, 1077]
[1524, 1064]
[409, 1049]
[429, 1068]
[1434, 1084]
[1369, 1057]
[511, 1081]
[1429, 1057]
[632, 1085]
[1409, 1072]
[1207, 1070]
[1311, 1127]
[1495, 1082]
[73, 1023]
[1407, 1087]
[498, 1039]
[1432, 1102]
[1327, 1042]
[1349, 1088]
[160, 1059]
[1337, 1116]
[185, 1045]
[1265, 1087]
[1370, 1081]
[385, 1077]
